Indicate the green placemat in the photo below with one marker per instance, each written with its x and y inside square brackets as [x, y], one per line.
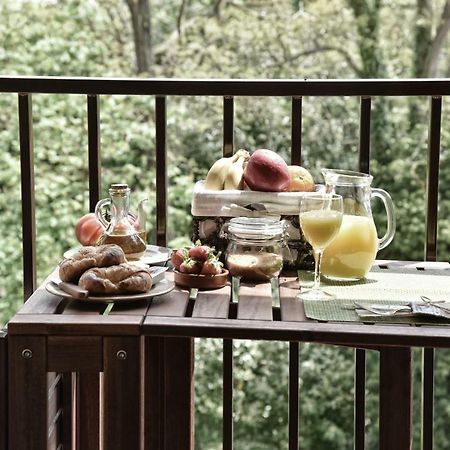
[393, 286]
[343, 311]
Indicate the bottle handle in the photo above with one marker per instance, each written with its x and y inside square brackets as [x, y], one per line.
[98, 211]
[390, 212]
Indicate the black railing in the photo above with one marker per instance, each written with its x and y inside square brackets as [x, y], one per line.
[3, 391]
[93, 88]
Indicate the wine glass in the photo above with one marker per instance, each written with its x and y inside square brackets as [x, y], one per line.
[320, 220]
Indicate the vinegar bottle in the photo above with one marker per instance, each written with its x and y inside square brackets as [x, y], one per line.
[119, 230]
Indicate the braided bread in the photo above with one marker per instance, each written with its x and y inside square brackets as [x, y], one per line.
[119, 279]
[71, 269]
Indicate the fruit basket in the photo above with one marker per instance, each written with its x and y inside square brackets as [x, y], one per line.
[212, 209]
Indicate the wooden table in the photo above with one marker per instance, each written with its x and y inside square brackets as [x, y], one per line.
[144, 352]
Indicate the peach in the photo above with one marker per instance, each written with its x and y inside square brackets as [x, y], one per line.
[300, 180]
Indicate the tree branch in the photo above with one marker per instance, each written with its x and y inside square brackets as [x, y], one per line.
[431, 63]
[217, 8]
[180, 17]
[116, 31]
[141, 21]
[348, 59]
[326, 48]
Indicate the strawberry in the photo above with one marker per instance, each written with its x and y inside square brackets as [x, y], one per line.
[178, 257]
[212, 266]
[190, 265]
[200, 252]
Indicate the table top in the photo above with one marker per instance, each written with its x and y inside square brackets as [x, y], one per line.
[251, 311]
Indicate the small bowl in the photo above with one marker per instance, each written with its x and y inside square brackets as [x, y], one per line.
[190, 280]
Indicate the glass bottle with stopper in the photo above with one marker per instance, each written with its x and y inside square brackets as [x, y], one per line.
[120, 230]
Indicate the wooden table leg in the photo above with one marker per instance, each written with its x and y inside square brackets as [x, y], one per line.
[121, 393]
[153, 393]
[396, 398]
[27, 393]
[67, 395]
[169, 393]
[179, 394]
[87, 411]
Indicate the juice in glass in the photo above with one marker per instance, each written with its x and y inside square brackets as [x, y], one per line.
[320, 226]
[352, 252]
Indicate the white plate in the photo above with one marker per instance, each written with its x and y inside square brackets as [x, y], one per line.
[153, 254]
[160, 288]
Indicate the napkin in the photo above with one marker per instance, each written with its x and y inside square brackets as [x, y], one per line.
[412, 309]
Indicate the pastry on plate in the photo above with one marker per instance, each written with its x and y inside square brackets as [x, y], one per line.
[119, 279]
[71, 269]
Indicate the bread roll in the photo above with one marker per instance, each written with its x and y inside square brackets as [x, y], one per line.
[120, 279]
[85, 258]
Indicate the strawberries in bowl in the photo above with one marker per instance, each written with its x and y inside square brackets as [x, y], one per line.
[198, 267]
[178, 257]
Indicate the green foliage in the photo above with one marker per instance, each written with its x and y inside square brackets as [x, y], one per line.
[237, 39]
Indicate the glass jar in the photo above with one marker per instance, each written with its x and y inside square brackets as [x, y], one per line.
[255, 248]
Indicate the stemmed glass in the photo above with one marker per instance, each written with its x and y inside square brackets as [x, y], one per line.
[320, 220]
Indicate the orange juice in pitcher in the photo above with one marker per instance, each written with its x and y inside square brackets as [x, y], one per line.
[352, 252]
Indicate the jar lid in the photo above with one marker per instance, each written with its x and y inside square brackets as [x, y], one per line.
[119, 186]
[119, 190]
[255, 227]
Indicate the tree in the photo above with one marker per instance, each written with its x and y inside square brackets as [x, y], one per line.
[223, 38]
[367, 15]
[428, 48]
[142, 32]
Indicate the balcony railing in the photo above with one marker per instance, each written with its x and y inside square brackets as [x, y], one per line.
[161, 89]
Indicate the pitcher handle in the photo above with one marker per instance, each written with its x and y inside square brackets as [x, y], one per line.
[389, 207]
[98, 211]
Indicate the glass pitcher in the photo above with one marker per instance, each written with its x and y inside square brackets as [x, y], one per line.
[352, 253]
[120, 230]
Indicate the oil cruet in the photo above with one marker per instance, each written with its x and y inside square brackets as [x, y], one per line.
[120, 230]
[351, 254]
